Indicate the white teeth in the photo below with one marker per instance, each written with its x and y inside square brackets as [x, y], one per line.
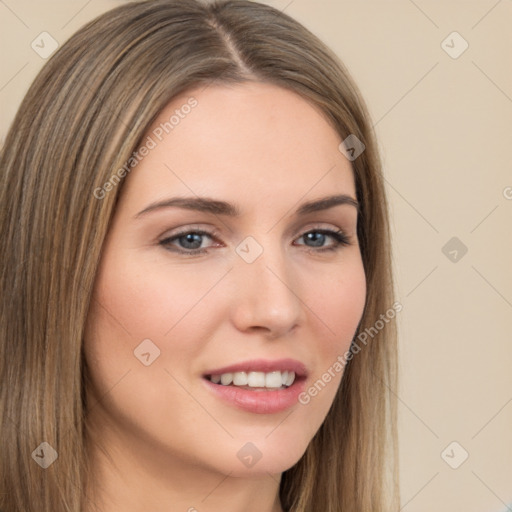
[256, 380]
[290, 379]
[226, 379]
[240, 379]
[271, 380]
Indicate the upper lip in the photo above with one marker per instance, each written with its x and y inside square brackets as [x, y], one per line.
[263, 365]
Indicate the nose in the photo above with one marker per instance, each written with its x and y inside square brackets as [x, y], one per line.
[266, 296]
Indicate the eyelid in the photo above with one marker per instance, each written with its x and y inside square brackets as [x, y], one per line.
[216, 233]
[196, 228]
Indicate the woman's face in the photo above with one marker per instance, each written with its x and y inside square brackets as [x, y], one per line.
[186, 291]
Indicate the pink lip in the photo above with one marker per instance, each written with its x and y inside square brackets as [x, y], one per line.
[260, 402]
[263, 365]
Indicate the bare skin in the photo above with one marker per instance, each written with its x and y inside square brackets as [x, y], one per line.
[170, 444]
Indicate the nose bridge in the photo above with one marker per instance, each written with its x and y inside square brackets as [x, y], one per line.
[265, 287]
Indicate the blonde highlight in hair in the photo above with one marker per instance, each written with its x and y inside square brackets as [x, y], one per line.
[82, 118]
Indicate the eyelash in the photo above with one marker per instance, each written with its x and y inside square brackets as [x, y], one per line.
[341, 240]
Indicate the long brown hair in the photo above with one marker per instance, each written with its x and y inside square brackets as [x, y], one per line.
[81, 120]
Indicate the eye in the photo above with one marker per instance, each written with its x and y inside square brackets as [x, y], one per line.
[190, 242]
[318, 236]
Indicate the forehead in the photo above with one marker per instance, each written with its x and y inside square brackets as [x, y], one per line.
[241, 142]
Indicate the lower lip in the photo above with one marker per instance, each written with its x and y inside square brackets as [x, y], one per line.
[259, 402]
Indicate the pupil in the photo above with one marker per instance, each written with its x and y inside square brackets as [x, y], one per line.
[190, 239]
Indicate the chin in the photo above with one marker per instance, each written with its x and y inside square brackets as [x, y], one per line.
[263, 456]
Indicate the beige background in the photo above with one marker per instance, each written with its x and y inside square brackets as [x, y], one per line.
[445, 130]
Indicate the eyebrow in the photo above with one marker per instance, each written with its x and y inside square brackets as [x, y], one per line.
[216, 207]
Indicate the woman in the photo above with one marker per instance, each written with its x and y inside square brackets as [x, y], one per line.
[196, 249]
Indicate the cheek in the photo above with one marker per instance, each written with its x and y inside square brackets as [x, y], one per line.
[339, 306]
[137, 301]
[152, 317]
[149, 298]
[336, 308]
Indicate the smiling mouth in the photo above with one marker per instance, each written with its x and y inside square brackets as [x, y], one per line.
[255, 381]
